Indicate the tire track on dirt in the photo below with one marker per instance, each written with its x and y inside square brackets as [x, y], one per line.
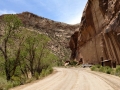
[113, 81]
[74, 79]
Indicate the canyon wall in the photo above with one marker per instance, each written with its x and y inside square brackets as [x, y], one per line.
[99, 33]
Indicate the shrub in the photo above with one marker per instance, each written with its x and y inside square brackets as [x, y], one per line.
[49, 70]
[59, 63]
[73, 63]
[37, 75]
[30, 80]
[42, 74]
[9, 85]
[4, 85]
[93, 68]
[101, 69]
[46, 72]
[117, 72]
[109, 70]
[98, 66]
[106, 69]
[18, 80]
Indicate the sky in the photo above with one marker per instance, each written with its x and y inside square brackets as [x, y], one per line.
[67, 11]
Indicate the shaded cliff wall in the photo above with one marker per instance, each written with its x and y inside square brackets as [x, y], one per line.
[99, 32]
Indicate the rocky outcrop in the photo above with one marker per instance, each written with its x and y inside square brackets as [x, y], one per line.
[58, 32]
[99, 33]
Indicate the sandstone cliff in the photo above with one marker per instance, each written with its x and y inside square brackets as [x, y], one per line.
[99, 33]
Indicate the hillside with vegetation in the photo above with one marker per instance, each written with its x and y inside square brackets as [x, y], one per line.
[24, 55]
[58, 32]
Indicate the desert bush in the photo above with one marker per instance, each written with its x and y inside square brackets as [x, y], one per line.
[108, 70]
[117, 72]
[49, 70]
[59, 62]
[101, 69]
[3, 83]
[30, 80]
[98, 66]
[37, 75]
[73, 63]
[95, 67]
[42, 74]
[46, 72]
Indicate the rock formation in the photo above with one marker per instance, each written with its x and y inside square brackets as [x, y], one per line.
[58, 32]
[99, 33]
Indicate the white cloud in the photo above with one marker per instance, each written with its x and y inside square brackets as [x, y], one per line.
[7, 12]
[68, 11]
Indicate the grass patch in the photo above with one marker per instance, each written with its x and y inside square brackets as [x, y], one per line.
[107, 69]
[16, 81]
[95, 67]
[46, 72]
[117, 71]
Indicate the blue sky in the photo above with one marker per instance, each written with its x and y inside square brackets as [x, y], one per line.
[68, 11]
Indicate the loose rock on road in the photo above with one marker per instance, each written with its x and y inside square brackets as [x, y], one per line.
[74, 79]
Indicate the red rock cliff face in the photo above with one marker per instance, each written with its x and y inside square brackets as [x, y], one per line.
[99, 33]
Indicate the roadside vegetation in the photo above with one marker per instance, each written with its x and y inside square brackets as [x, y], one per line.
[107, 69]
[24, 55]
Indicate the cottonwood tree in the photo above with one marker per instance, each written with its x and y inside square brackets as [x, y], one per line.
[23, 53]
[10, 43]
[35, 46]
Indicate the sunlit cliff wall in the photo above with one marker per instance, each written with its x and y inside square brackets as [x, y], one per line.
[99, 33]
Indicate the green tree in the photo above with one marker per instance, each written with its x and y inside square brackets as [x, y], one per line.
[23, 53]
[10, 43]
[35, 46]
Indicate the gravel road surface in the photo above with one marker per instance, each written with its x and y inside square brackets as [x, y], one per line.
[74, 79]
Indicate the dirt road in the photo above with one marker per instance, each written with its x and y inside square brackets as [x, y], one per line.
[75, 79]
